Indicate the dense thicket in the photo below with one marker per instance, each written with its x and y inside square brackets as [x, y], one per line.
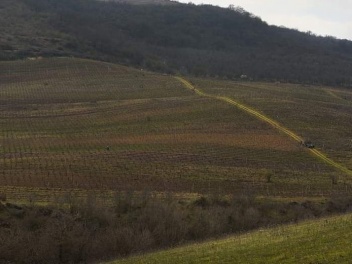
[198, 40]
[87, 232]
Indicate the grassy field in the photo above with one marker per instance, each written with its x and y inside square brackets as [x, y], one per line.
[77, 125]
[325, 241]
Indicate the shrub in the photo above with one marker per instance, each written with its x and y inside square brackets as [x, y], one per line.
[85, 231]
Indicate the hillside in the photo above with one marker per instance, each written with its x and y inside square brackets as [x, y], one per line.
[323, 241]
[308, 111]
[75, 124]
[144, 2]
[188, 39]
[136, 161]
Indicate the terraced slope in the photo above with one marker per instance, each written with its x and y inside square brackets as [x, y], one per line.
[322, 241]
[71, 124]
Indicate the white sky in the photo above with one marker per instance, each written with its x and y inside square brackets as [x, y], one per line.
[322, 17]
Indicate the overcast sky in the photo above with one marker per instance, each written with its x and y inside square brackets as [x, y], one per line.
[322, 17]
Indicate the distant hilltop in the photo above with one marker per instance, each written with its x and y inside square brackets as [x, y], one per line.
[144, 2]
[170, 37]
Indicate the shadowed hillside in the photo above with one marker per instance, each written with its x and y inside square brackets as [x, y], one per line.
[188, 39]
[144, 2]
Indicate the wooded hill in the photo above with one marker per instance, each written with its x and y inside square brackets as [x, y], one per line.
[176, 38]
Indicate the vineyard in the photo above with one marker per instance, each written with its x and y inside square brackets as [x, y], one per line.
[320, 114]
[69, 126]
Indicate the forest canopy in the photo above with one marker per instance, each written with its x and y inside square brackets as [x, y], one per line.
[180, 38]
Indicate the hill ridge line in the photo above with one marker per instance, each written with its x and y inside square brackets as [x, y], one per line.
[319, 154]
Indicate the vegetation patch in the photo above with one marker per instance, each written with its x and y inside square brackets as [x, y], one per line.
[319, 241]
[81, 230]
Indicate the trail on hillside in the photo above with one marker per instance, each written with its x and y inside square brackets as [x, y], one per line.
[332, 94]
[319, 154]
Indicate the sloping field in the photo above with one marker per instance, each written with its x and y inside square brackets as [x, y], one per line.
[323, 241]
[320, 114]
[72, 124]
[275, 124]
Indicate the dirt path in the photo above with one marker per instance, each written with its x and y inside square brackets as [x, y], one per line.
[333, 94]
[268, 120]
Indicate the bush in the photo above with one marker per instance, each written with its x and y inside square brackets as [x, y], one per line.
[84, 231]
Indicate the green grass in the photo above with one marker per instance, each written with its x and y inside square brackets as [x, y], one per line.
[324, 241]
